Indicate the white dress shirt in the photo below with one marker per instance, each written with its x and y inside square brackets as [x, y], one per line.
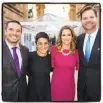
[92, 39]
[17, 51]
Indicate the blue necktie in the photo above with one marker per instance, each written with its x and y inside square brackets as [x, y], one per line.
[16, 60]
[87, 49]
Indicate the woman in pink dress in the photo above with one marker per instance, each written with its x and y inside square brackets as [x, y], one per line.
[65, 62]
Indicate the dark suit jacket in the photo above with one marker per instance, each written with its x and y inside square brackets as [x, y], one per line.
[14, 87]
[89, 74]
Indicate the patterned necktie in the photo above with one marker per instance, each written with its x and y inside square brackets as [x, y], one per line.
[87, 49]
[16, 60]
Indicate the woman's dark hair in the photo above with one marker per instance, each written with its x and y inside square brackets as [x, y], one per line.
[41, 35]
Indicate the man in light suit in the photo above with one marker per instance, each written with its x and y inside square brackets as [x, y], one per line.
[88, 45]
[15, 58]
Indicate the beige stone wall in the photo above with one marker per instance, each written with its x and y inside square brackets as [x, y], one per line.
[72, 12]
[34, 11]
[25, 11]
[15, 12]
[40, 9]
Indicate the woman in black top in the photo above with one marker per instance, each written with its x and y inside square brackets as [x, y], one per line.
[39, 69]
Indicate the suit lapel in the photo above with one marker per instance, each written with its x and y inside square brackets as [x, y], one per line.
[9, 56]
[23, 57]
[82, 53]
[95, 46]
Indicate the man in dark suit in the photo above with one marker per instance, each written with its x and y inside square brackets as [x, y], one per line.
[15, 57]
[88, 44]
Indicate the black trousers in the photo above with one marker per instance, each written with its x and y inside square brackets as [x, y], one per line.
[84, 96]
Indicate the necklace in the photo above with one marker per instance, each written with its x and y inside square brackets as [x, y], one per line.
[65, 54]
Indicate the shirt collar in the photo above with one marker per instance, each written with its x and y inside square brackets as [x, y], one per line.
[93, 34]
[10, 46]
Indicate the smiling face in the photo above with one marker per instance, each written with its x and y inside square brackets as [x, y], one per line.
[89, 20]
[13, 33]
[42, 46]
[66, 37]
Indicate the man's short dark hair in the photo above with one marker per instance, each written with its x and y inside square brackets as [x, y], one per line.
[88, 8]
[13, 21]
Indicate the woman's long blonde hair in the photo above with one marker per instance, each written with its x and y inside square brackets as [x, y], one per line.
[73, 42]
